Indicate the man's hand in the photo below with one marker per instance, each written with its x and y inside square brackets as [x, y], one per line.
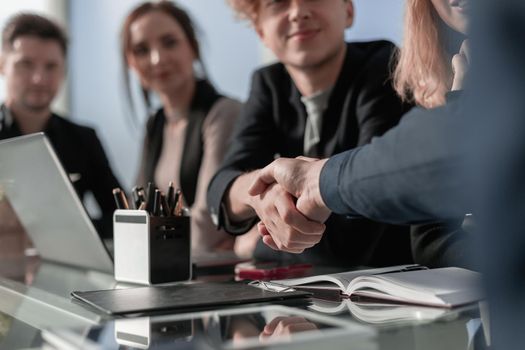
[300, 177]
[284, 328]
[460, 66]
[283, 227]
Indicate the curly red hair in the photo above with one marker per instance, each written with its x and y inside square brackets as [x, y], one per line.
[245, 9]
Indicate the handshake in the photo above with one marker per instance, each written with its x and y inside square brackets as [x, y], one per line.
[287, 199]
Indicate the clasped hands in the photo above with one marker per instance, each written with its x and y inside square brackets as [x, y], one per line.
[287, 199]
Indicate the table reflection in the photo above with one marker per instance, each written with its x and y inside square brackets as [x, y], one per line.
[5, 324]
[236, 328]
[212, 330]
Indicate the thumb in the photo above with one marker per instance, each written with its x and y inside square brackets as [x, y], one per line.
[263, 179]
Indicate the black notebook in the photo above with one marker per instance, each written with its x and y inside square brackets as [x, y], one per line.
[183, 297]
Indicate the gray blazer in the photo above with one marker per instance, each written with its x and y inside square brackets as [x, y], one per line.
[411, 174]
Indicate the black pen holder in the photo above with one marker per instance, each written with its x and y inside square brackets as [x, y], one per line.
[151, 249]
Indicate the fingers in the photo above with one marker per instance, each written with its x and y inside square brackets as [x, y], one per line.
[286, 326]
[261, 227]
[268, 240]
[282, 226]
[271, 243]
[465, 50]
[459, 63]
[283, 171]
[270, 327]
[273, 190]
[308, 208]
[460, 68]
[289, 248]
[289, 214]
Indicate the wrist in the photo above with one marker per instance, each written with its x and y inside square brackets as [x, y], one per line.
[313, 183]
[240, 206]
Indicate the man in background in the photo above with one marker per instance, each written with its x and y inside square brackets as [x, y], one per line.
[33, 64]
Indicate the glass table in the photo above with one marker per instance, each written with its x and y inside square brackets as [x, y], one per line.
[36, 311]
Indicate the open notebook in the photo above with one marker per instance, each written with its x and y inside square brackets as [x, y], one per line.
[444, 287]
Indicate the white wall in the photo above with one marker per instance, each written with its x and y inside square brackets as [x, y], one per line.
[230, 48]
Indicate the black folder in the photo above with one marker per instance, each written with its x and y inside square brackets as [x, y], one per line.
[182, 298]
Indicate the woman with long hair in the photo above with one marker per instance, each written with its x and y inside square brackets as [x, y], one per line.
[187, 136]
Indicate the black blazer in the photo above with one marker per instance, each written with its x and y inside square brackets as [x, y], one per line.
[362, 105]
[84, 159]
[203, 100]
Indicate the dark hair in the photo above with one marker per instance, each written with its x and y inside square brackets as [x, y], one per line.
[172, 10]
[34, 25]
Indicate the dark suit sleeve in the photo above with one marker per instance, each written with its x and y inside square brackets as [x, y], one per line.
[411, 174]
[101, 182]
[378, 106]
[253, 146]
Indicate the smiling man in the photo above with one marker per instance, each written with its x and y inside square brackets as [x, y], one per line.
[324, 96]
[33, 64]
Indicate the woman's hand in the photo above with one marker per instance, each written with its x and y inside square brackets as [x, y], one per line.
[460, 66]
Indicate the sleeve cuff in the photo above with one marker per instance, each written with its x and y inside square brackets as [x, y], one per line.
[329, 180]
[218, 187]
[237, 228]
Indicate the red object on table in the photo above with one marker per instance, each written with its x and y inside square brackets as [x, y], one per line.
[269, 270]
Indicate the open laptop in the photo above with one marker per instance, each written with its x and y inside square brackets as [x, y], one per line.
[39, 190]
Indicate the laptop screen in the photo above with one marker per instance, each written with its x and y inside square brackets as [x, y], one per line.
[47, 205]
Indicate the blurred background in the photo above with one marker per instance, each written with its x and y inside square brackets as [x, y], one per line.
[94, 92]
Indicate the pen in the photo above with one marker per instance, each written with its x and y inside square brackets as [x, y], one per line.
[178, 204]
[136, 196]
[124, 199]
[120, 199]
[156, 203]
[165, 208]
[151, 197]
[170, 196]
[142, 195]
[175, 201]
